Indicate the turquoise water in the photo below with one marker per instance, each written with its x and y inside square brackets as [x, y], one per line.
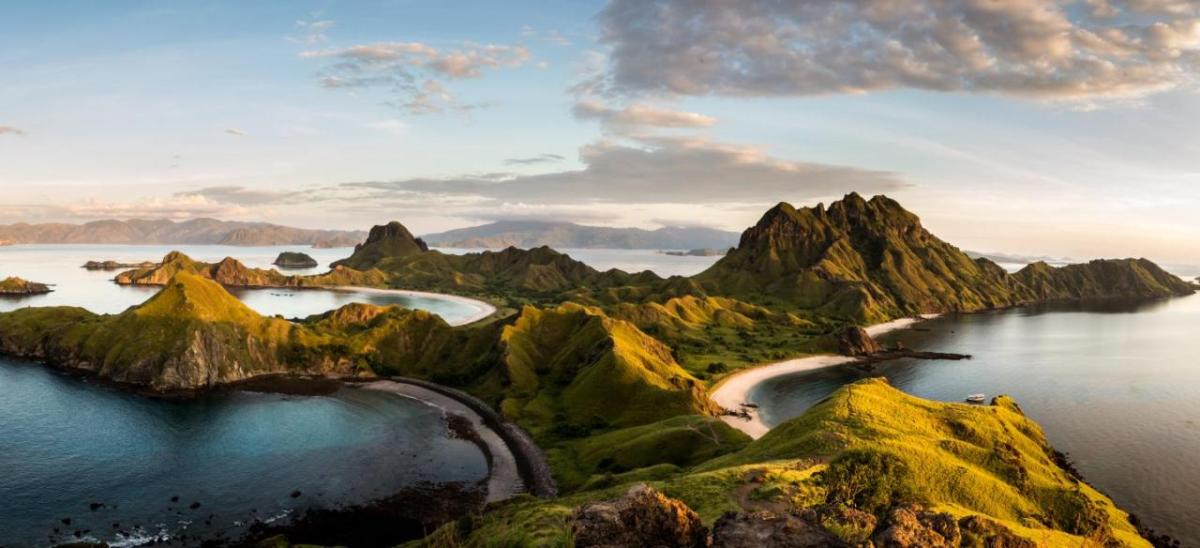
[68, 443]
[1117, 387]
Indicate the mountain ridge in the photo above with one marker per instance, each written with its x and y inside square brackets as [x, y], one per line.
[562, 234]
[202, 231]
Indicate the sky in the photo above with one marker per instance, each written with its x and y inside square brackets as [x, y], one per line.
[1061, 128]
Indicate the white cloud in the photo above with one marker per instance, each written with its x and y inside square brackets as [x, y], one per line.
[635, 117]
[414, 71]
[235, 131]
[9, 130]
[1042, 49]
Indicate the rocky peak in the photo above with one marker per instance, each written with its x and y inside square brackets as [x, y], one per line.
[643, 517]
[392, 240]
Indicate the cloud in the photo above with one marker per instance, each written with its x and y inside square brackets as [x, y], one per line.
[414, 71]
[539, 159]
[312, 31]
[395, 127]
[1041, 49]
[239, 195]
[235, 131]
[635, 117]
[660, 170]
[9, 130]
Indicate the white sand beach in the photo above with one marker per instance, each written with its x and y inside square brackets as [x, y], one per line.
[733, 391]
[483, 309]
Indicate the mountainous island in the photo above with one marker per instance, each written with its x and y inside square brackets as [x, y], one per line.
[610, 373]
[563, 235]
[167, 232]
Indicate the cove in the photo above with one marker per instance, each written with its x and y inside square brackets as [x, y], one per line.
[230, 458]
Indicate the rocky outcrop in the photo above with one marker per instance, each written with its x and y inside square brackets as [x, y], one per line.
[913, 527]
[292, 259]
[855, 341]
[643, 517]
[18, 286]
[768, 530]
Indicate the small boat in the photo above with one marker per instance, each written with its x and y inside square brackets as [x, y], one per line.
[977, 398]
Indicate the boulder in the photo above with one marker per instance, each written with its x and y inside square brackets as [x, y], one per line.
[768, 530]
[854, 341]
[643, 517]
[290, 259]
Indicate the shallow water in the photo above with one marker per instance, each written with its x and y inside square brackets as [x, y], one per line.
[68, 443]
[1117, 387]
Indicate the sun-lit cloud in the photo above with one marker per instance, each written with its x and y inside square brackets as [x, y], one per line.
[1040, 49]
[637, 117]
[9, 130]
[532, 160]
[416, 72]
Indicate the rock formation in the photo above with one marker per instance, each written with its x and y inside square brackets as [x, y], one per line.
[18, 286]
[643, 517]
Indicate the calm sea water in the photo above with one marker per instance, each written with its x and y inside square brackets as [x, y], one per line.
[68, 444]
[1117, 387]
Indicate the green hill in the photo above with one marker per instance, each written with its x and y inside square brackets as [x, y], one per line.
[868, 463]
[869, 261]
[232, 273]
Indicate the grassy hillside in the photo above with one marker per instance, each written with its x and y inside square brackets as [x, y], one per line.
[1130, 278]
[232, 273]
[854, 463]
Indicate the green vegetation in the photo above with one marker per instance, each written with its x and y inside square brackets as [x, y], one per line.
[867, 449]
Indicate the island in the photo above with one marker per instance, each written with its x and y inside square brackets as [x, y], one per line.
[116, 265]
[613, 374]
[706, 252]
[18, 286]
[291, 259]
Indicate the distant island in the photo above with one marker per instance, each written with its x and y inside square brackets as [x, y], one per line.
[292, 259]
[697, 253]
[563, 235]
[18, 286]
[116, 265]
[167, 232]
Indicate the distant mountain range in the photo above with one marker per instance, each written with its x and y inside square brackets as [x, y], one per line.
[561, 235]
[163, 231]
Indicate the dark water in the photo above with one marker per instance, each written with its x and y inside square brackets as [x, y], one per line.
[65, 444]
[1117, 387]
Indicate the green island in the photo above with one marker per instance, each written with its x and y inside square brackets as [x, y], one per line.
[609, 372]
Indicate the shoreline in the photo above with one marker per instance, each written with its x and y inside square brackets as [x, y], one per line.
[484, 309]
[734, 391]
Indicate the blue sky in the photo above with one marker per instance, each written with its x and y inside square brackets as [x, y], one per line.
[1037, 130]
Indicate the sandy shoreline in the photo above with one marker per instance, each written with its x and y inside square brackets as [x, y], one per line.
[483, 309]
[504, 477]
[733, 391]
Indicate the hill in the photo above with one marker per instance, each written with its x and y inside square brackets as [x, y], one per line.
[562, 235]
[232, 273]
[18, 286]
[867, 464]
[872, 261]
[166, 232]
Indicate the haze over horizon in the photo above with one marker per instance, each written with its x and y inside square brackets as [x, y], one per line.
[1032, 127]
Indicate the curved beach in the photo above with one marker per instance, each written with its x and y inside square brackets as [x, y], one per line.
[734, 391]
[483, 309]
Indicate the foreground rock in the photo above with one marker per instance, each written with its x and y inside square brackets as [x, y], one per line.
[854, 341]
[643, 517]
[291, 259]
[18, 286]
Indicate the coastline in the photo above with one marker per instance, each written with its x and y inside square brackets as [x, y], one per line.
[734, 391]
[484, 309]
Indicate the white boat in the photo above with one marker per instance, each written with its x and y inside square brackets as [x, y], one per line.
[977, 398]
